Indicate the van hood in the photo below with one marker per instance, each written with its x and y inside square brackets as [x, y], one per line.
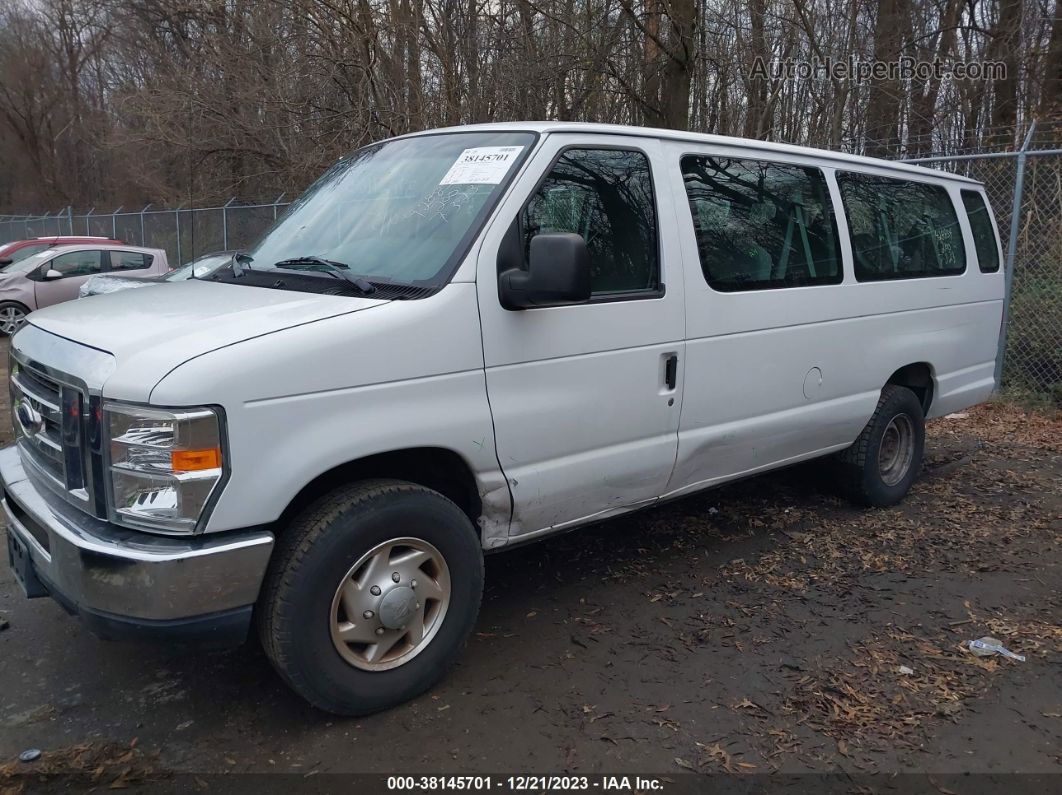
[153, 329]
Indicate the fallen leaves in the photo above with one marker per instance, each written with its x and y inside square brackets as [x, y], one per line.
[718, 756]
[111, 765]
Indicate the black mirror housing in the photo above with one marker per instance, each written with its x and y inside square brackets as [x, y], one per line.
[558, 274]
[5, 261]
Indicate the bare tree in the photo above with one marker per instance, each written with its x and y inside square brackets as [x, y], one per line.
[156, 100]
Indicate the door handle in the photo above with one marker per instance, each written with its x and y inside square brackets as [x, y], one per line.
[671, 371]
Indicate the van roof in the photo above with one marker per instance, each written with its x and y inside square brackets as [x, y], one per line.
[837, 158]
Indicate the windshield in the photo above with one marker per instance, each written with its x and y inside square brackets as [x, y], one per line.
[203, 266]
[21, 254]
[401, 211]
[29, 263]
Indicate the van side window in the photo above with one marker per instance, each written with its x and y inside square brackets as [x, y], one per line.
[605, 195]
[761, 225]
[901, 229]
[984, 234]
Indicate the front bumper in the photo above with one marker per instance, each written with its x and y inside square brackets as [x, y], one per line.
[125, 583]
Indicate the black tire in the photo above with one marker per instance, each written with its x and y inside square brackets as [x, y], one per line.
[7, 309]
[861, 466]
[311, 559]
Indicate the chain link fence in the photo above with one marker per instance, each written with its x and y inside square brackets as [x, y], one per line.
[183, 233]
[1025, 188]
[1029, 180]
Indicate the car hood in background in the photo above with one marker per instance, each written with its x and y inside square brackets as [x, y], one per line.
[102, 284]
[153, 329]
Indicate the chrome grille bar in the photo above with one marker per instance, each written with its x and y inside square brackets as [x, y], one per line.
[46, 398]
[48, 439]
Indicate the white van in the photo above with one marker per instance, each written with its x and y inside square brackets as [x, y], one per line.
[462, 339]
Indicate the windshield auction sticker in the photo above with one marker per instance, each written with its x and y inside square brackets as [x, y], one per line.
[482, 165]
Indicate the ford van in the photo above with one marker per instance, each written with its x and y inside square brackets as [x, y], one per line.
[464, 339]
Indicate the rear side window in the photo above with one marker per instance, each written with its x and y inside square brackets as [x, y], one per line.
[984, 234]
[901, 229]
[761, 225]
[605, 195]
[129, 260]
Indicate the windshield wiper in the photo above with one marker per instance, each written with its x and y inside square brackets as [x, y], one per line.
[338, 269]
[236, 263]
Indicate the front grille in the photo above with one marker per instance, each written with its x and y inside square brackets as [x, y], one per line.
[48, 417]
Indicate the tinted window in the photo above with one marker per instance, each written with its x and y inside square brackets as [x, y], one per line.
[761, 225]
[984, 234]
[901, 229]
[77, 263]
[605, 195]
[129, 260]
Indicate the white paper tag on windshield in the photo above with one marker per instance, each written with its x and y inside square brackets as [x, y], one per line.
[482, 165]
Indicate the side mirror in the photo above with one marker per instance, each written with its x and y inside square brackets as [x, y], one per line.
[5, 261]
[51, 274]
[558, 273]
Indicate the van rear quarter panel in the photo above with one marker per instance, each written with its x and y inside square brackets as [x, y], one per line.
[306, 400]
[748, 354]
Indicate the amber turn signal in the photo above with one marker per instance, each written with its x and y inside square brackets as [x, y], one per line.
[195, 460]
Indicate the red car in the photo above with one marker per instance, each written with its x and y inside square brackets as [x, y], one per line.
[20, 249]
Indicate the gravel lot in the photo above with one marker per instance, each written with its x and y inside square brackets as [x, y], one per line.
[757, 628]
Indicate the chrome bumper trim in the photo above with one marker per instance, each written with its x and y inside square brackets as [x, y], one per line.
[101, 567]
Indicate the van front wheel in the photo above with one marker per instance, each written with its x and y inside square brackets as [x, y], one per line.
[370, 596]
[880, 467]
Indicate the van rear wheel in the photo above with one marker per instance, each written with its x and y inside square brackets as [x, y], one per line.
[371, 594]
[880, 467]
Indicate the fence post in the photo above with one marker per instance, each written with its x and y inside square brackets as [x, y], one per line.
[70, 219]
[114, 223]
[88, 229]
[276, 201]
[225, 224]
[143, 242]
[177, 219]
[1012, 252]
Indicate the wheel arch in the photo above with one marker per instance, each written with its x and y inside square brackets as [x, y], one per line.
[436, 468]
[919, 378]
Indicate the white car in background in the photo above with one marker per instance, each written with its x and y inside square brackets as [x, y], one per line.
[199, 268]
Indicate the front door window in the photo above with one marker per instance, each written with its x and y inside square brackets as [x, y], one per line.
[77, 263]
[605, 195]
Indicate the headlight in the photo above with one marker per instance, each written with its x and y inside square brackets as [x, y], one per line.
[164, 465]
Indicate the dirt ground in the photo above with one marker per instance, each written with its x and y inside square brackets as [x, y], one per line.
[757, 628]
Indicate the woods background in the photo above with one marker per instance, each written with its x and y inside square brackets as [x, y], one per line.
[171, 101]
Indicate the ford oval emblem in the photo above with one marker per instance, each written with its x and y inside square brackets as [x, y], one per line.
[29, 419]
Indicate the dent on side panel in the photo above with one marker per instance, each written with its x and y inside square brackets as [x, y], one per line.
[301, 402]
